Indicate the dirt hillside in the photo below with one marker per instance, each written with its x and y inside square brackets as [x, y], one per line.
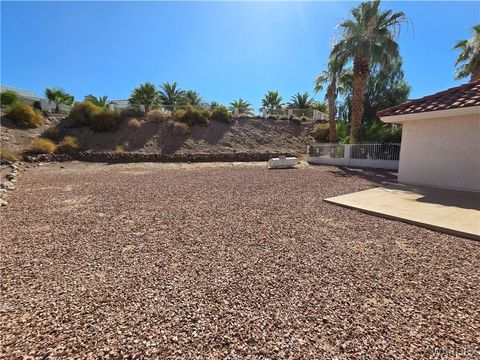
[245, 135]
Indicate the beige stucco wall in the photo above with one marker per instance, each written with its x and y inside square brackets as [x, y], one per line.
[443, 152]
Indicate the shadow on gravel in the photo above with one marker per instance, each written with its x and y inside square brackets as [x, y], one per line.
[377, 176]
[4, 121]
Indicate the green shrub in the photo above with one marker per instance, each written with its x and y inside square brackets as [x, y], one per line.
[393, 134]
[178, 114]
[81, 114]
[25, 116]
[68, 145]
[43, 146]
[9, 155]
[52, 133]
[180, 129]
[104, 120]
[8, 98]
[321, 132]
[342, 130]
[221, 114]
[37, 105]
[378, 132]
[156, 116]
[127, 113]
[192, 116]
[134, 123]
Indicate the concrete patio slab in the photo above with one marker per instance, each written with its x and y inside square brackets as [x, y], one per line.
[449, 211]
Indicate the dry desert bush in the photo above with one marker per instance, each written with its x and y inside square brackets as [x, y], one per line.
[134, 123]
[25, 116]
[68, 145]
[43, 146]
[180, 129]
[156, 116]
[9, 155]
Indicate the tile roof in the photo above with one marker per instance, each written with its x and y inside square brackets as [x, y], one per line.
[462, 96]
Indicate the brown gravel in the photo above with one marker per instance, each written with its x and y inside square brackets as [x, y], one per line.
[230, 261]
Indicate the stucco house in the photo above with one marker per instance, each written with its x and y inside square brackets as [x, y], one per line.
[441, 138]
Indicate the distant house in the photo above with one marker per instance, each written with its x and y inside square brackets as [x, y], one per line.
[120, 104]
[24, 95]
[29, 97]
[441, 138]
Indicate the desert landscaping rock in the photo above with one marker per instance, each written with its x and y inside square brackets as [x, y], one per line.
[11, 176]
[8, 185]
[224, 261]
[3, 202]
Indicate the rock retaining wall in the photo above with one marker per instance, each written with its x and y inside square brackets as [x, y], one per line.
[126, 157]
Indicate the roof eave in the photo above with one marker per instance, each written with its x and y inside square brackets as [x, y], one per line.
[396, 119]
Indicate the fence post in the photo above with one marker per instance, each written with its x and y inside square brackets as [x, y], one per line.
[111, 107]
[290, 113]
[264, 113]
[315, 114]
[45, 105]
[142, 108]
[235, 113]
[346, 155]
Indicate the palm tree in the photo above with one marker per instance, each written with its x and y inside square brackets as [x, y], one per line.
[468, 61]
[272, 100]
[213, 105]
[169, 94]
[145, 94]
[191, 97]
[243, 106]
[321, 106]
[100, 101]
[301, 101]
[58, 96]
[366, 38]
[333, 74]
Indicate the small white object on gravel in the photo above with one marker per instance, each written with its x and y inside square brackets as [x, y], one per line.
[282, 162]
[3, 202]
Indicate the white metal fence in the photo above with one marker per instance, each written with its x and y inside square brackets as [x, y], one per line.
[383, 156]
[286, 114]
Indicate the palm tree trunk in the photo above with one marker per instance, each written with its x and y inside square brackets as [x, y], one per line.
[57, 108]
[475, 75]
[360, 76]
[332, 135]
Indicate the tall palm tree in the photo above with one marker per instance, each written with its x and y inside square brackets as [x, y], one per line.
[369, 36]
[191, 97]
[145, 94]
[301, 101]
[468, 61]
[58, 96]
[243, 106]
[333, 74]
[272, 100]
[100, 101]
[170, 94]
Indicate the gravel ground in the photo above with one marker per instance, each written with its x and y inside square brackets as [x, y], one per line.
[230, 261]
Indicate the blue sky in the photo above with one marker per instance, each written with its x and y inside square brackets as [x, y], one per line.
[224, 50]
